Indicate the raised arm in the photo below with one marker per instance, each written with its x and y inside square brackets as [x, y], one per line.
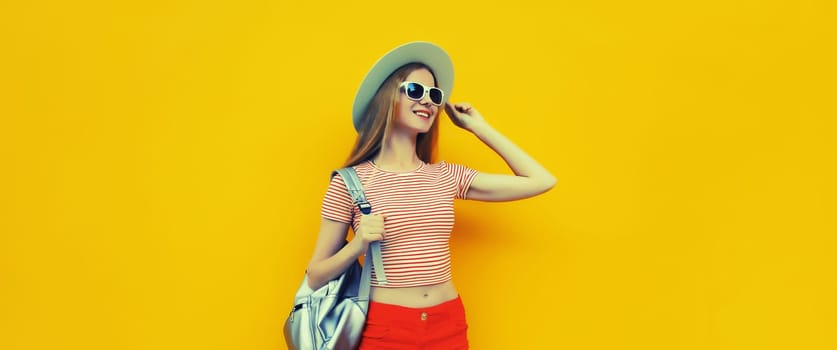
[530, 177]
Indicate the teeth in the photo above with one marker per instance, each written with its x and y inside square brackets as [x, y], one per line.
[422, 114]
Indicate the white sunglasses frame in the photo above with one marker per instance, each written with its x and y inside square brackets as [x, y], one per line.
[426, 92]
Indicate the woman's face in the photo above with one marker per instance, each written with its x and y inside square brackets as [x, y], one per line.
[412, 115]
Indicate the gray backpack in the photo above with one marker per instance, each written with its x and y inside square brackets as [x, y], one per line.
[333, 316]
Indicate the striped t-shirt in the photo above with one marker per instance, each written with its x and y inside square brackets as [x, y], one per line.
[418, 207]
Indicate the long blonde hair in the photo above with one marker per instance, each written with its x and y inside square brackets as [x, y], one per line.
[377, 121]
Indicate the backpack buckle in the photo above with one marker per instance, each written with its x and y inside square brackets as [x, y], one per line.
[365, 208]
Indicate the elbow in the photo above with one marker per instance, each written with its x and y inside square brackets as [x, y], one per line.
[314, 285]
[548, 183]
[538, 186]
[315, 279]
[552, 182]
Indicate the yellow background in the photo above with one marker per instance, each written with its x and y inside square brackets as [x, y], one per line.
[163, 164]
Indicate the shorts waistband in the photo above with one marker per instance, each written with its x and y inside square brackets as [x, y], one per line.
[446, 310]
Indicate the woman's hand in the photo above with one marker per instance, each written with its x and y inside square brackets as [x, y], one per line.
[370, 229]
[465, 116]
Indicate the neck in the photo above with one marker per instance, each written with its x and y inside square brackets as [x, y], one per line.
[398, 152]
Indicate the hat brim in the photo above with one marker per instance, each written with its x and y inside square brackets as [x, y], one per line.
[423, 52]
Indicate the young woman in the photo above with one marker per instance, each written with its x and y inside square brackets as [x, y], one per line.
[396, 114]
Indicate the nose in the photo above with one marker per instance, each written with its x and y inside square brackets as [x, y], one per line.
[425, 100]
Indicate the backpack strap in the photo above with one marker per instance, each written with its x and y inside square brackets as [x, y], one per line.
[373, 254]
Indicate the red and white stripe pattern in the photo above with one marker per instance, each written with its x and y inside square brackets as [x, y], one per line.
[418, 207]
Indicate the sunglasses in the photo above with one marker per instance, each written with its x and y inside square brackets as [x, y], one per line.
[416, 91]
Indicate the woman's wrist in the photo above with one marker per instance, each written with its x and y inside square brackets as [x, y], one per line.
[356, 246]
[481, 130]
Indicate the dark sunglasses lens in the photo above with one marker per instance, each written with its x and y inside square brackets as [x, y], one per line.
[414, 91]
[435, 96]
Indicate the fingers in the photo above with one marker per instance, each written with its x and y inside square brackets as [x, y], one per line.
[372, 226]
[373, 218]
[461, 107]
[372, 236]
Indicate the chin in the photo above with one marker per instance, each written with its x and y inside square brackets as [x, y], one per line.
[423, 129]
[416, 127]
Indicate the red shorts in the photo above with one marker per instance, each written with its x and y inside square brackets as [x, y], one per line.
[396, 327]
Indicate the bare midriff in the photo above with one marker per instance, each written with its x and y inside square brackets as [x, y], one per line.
[416, 297]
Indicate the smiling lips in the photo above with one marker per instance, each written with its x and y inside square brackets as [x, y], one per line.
[422, 113]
